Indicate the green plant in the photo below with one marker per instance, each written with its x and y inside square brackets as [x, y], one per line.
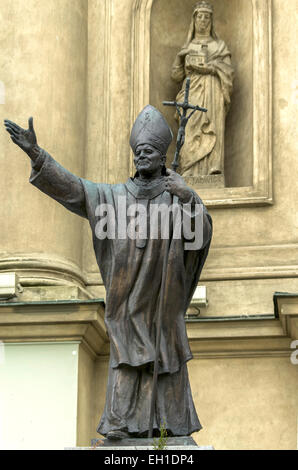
[161, 442]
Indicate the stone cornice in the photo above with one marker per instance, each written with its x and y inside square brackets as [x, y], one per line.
[83, 321]
[286, 306]
[238, 338]
[55, 321]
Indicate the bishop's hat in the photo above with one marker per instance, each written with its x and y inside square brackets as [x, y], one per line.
[150, 127]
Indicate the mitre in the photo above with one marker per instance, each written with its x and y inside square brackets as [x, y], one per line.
[150, 127]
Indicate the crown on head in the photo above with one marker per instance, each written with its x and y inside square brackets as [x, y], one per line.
[203, 5]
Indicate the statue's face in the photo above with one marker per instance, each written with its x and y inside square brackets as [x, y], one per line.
[148, 160]
[203, 22]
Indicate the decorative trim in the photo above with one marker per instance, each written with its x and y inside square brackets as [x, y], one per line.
[260, 193]
[245, 257]
[46, 269]
[226, 274]
[245, 273]
[286, 306]
[238, 338]
[81, 321]
[106, 87]
[240, 354]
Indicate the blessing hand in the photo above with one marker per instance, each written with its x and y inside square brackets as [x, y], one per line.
[25, 139]
[176, 185]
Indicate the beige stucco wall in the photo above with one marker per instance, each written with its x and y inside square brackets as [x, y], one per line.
[249, 243]
[246, 403]
[86, 398]
[72, 68]
[43, 69]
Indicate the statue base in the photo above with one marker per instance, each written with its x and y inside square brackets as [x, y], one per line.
[206, 181]
[172, 443]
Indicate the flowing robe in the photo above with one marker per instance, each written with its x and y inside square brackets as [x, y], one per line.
[131, 272]
[203, 151]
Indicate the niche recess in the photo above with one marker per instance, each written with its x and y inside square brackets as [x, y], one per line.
[159, 30]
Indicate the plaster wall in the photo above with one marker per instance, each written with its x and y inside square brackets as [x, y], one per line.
[43, 73]
[38, 387]
[86, 398]
[246, 403]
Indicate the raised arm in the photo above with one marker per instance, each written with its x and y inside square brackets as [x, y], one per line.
[25, 139]
[47, 175]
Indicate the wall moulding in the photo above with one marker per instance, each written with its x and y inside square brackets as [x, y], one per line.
[65, 321]
[42, 269]
[260, 191]
[227, 274]
[242, 338]
[239, 263]
[251, 262]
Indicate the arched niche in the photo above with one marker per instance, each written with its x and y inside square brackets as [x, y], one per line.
[159, 30]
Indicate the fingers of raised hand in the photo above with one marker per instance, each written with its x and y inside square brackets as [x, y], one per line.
[15, 135]
[11, 131]
[14, 139]
[11, 124]
[169, 184]
[12, 128]
[30, 123]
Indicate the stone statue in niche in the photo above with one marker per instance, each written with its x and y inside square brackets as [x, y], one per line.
[207, 61]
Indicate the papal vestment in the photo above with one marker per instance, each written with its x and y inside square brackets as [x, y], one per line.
[131, 271]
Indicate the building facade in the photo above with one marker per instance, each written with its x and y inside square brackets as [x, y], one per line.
[84, 69]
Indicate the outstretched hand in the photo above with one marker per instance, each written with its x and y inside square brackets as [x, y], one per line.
[25, 139]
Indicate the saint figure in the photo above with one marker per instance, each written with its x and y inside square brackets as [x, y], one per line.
[206, 60]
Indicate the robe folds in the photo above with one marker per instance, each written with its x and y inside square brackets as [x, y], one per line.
[131, 272]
